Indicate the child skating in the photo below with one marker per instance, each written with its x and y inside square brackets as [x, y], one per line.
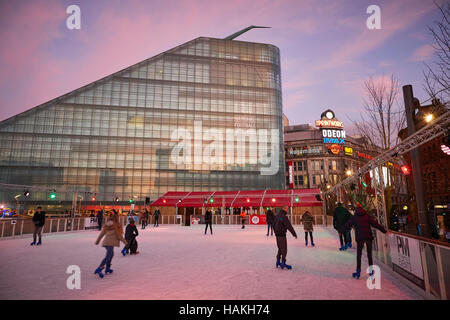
[131, 233]
[113, 233]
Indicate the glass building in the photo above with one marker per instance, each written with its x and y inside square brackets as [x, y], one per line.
[206, 115]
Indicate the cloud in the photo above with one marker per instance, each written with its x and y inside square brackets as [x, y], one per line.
[422, 53]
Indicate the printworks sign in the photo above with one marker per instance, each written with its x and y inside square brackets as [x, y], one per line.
[331, 128]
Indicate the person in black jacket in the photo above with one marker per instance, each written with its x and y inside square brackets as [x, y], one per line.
[208, 220]
[100, 219]
[363, 233]
[131, 233]
[281, 225]
[269, 220]
[340, 218]
[39, 221]
[156, 215]
[144, 221]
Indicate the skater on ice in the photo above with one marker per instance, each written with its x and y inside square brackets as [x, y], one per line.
[208, 221]
[100, 219]
[269, 220]
[39, 222]
[144, 221]
[243, 219]
[281, 225]
[363, 233]
[340, 217]
[113, 233]
[156, 216]
[308, 222]
[131, 233]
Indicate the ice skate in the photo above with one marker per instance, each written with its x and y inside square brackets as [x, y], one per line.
[278, 263]
[99, 272]
[341, 248]
[306, 242]
[349, 245]
[284, 265]
[124, 252]
[39, 243]
[108, 269]
[312, 244]
[356, 274]
[33, 243]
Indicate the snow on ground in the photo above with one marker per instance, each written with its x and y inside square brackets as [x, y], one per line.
[182, 263]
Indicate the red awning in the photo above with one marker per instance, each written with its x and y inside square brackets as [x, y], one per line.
[242, 198]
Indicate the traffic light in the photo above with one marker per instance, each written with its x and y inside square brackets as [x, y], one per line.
[116, 199]
[364, 184]
[405, 169]
[130, 201]
[147, 201]
[52, 195]
[93, 198]
[297, 199]
[211, 200]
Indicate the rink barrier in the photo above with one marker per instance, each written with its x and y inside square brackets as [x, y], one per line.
[431, 257]
[23, 226]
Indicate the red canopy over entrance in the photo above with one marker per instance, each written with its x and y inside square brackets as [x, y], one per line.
[242, 198]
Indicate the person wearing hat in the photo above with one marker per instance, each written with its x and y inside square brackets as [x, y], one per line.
[131, 233]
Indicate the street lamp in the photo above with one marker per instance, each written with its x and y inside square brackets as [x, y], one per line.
[429, 117]
[348, 172]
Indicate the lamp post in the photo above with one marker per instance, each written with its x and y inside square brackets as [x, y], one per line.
[415, 161]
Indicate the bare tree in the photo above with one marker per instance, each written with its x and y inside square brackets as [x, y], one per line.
[382, 117]
[437, 76]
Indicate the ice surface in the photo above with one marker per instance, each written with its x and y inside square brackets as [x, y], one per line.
[182, 263]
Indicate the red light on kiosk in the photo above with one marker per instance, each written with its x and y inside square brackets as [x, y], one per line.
[405, 169]
[248, 200]
[164, 201]
[273, 200]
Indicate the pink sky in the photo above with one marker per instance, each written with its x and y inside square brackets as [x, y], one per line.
[326, 49]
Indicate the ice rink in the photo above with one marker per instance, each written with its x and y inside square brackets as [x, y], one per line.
[182, 263]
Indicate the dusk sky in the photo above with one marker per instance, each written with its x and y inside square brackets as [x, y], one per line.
[326, 49]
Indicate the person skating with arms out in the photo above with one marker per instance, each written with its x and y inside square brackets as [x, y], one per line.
[281, 225]
[113, 233]
[363, 234]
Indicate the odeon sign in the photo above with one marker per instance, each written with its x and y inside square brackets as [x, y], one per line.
[331, 128]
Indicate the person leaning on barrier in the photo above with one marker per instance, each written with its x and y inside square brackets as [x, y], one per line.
[39, 221]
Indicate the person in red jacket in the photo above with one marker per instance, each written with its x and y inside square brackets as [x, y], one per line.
[363, 234]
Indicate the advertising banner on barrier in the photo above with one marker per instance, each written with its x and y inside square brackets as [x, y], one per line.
[257, 219]
[90, 223]
[406, 259]
[197, 219]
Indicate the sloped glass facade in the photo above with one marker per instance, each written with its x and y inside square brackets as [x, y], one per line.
[116, 137]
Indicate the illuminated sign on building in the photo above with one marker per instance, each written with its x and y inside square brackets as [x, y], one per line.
[332, 129]
[348, 151]
[291, 175]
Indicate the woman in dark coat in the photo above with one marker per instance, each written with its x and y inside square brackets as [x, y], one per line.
[308, 222]
[363, 233]
[208, 220]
